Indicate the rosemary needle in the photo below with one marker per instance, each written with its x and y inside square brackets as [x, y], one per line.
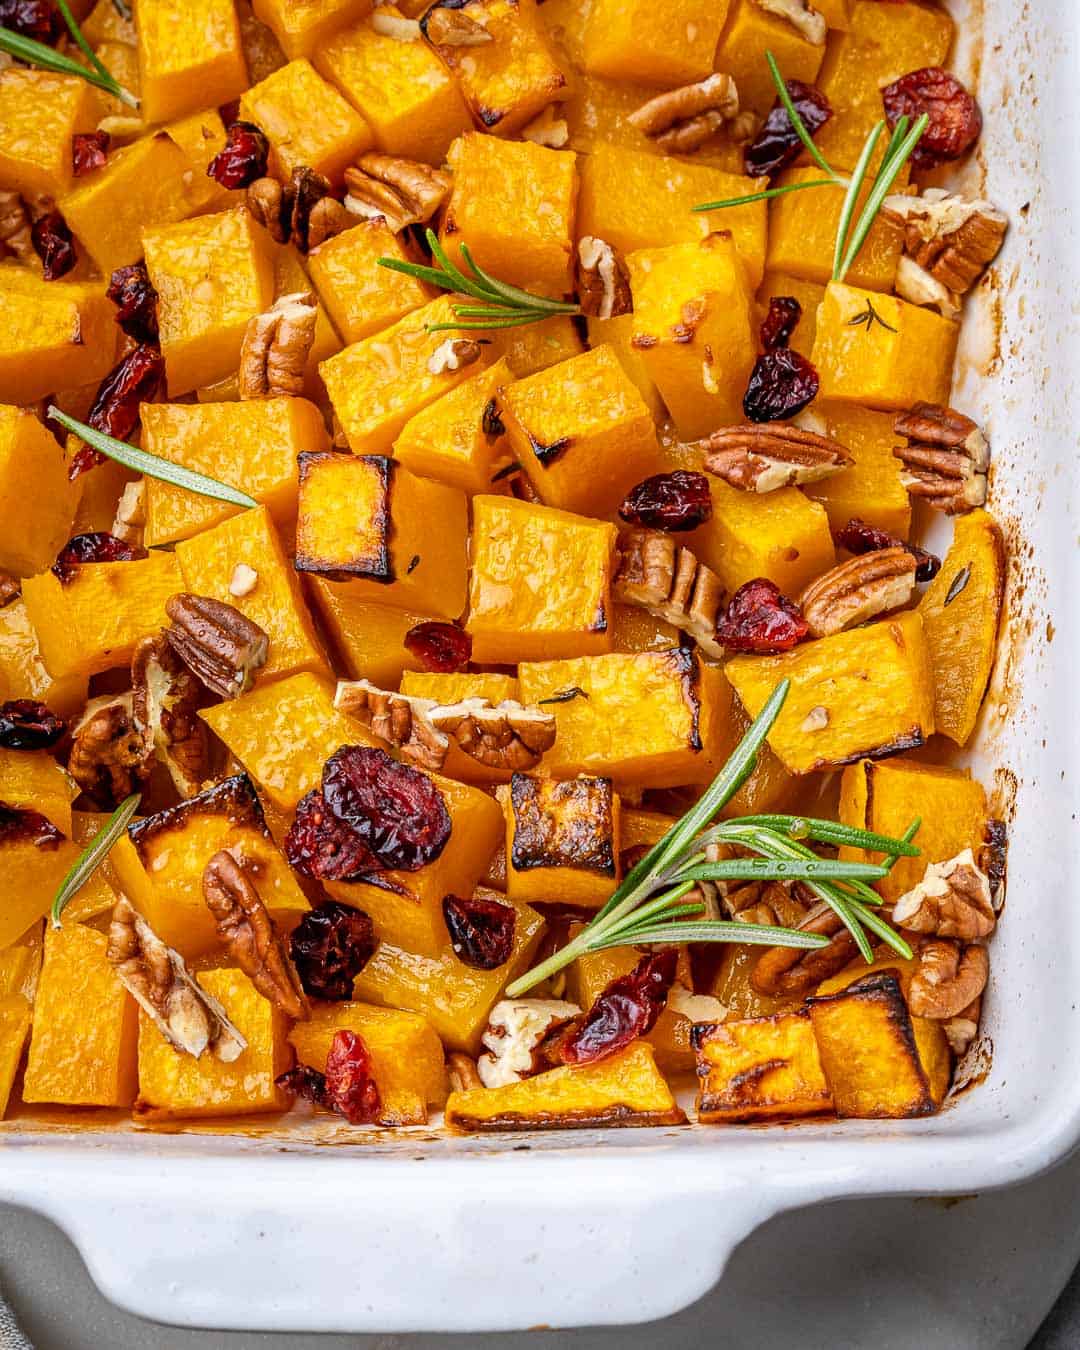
[93, 855]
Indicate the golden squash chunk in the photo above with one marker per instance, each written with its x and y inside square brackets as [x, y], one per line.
[871, 488]
[803, 228]
[961, 610]
[92, 623]
[53, 334]
[618, 334]
[189, 56]
[212, 275]
[664, 45]
[809, 294]
[301, 26]
[540, 582]
[562, 840]
[213, 564]
[39, 114]
[749, 34]
[37, 502]
[623, 1089]
[535, 346]
[875, 684]
[452, 689]
[176, 1086]
[20, 963]
[101, 490]
[406, 1055]
[881, 351]
[105, 23]
[22, 671]
[361, 296]
[513, 205]
[15, 1017]
[32, 861]
[82, 1047]
[307, 122]
[251, 445]
[368, 638]
[97, 895]
[636, 630]
[762, 1069]
[201, 135]
[460, 439]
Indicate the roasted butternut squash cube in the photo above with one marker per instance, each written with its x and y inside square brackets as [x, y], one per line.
[731, 985]
[454, 998]
[460, 439]
[22, 671]
[636, 630]
[368, 520]
[92, 623]
[749, 34]
[513, 204]
[770, 786]
[201, 135]
[20, 963]
[535, 346]
[15, 1018]
[960, 615]
[618, 334]
[176, 1086]
[540, 582]
[693, 328]
[251, 445]
[622, 1089]
[302, 26]
[53, 334]
[210, 563]
[671, 45]
[83, 1042]
[871, 488]
[102, 487]
[761, 1069]
[121, 60]
[562, 840]
[361, 296]
[881, 351]
[452, 689]
[32, 863]
[212, 275]
[37, 501]
[809, 294]
[190, 56]
[368, 639]
[105, 23]
[97, 895]
[307, 122]
[406, 1055]
[39, 113]
[803, 228]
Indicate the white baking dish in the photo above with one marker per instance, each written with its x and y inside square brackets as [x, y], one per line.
[421, 1232]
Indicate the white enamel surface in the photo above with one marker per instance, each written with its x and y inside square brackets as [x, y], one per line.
[422, 1232]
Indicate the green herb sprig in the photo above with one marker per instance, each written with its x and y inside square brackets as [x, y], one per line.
[93, 855]
[48, 58]
[650, 904]
[503, 306]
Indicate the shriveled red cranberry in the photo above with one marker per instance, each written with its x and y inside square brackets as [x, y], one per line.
[668, 501]
[955, 120]
[330, 946]
[242, 158]
[481, 930]
[136, 379]
[26, 724]
[398, 811]
[304, 1081]
[350, 1085]
[859, 537]
[54, 245]
[781, 384]
[20, 825]
[777, 144]
[321, 846]
[626, 1009]
[37, 19]
[89, 151]
[780, 322]
[444, 647]
[760, 619]
[131, 291]
[98, 547]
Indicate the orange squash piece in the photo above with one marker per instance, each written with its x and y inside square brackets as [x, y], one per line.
[37, 501]
[761, 1069]
[32, 781]
[15, 1019]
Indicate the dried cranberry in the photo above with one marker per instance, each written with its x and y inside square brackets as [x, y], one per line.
[398, 811]
[626, 1009]
[330, 946]
[777, 144]
[19, 825]
[350, 1087]
[89, 151]
[242, 158]
[98, 547]
[37, 19]
[54, 245]
[28, 725]
[444, 647]
[759, 619]
[131, 292]
[135, 379]
[781, 384]
[668, 501]
[320, 846]
[481, 930]
[780, 322]
[955, 119]
[304, 1081]
[859, 537]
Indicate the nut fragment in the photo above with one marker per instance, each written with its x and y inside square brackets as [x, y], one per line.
[109, 752]
[10, 588]
[791, 971]
[951, 901]
[158, 980]
[276, 347]
[15, 228]
[603, 282]
[962, 1029]
[515, 1031]
[250, 935]
[681, 120]
[401, 720]
[215, 641]
[463, 1073]
[453, 354]
[801, 16]
[915, 284]
[165, 703]
[762, 457]
[301, 211]
[243, 581]
[130, 518]
[394, 26]
[948, 979]
[547, 129]
[655, 574]
[448, 26]
[403, 191]
[946, 457]
[952, 239]
[854, 591]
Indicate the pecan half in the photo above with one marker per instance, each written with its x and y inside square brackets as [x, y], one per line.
[301, 211]
[403, 191]
[216, 642]
[952, 239]
[761, 457]
[400, 720]
[681, 120]
[276, 347]
[915, 284]
[158, 980]
[854, 591]
[250, 935]
[791, 971]
[165, 704]
[463, 1072]
[130, 519]
[951, 901]
[447, 26]
[603, 282]
[655, 574]
[15, 228]
[110, 753]
[946, 457]
[948, 979]
[453, 354]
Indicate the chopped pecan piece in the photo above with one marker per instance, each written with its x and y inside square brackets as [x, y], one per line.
[952, 239]
[130, 517]
[763, 457]
[403, 191]
[463, 1072]
[807, 21]
[547, 129]
[946, 457]
[400, 720]
[301, 211]
[448, 26]
[516, 1031]
[110, 754]
[276, 347]
[15, 227]
[655, 574]
[250, 935]
[165, 703]
[948, 979]
[854, 591]
[158, 980]
[915, 284]
[962, 1029]
[394, 26]
[951, 901]
[216, 642]
[681, 120]
[453, 354]
[791, 971]
[505, 735]
[603, 283]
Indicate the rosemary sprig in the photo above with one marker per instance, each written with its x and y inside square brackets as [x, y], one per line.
[93, 855]
[141, 461]
[502, 305]
[47, 58]
[651, 904]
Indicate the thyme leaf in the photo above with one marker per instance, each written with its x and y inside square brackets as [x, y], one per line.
[869, 316]
[564, 695]
[957, 585]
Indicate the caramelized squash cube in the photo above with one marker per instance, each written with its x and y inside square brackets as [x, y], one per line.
[53, 334]
[105, 23]
[749, 34]
[809, 294]
[368, 638]
[636, 630]
[39, 113]
[618, 334]
[307, 122]
[22, 671]
[535, 346]
[562, 840]
[871, 488]
[97, 895]
[460, 439]
[671, 44]
[15, 1019]
[189, 56]
[201, 135]
[37, 501]
[303, 26]
[760, 1069]
[32, 781]
[360, 296]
